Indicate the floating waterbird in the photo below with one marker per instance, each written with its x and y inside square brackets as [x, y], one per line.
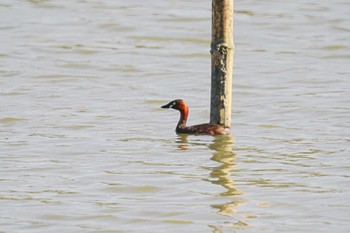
[181, 128]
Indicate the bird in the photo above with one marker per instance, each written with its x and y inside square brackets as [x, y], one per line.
[206, 128]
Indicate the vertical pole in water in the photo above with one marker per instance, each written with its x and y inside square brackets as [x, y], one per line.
[222, 49]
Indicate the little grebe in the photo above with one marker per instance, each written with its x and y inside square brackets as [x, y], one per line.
[208, 128]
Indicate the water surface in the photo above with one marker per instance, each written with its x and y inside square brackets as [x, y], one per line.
[85, 146]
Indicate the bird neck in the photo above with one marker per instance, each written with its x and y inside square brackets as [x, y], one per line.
[183, 116]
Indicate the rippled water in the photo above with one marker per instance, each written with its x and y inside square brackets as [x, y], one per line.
[86, 148]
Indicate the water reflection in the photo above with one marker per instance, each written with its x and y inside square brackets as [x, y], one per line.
[222, 175]
[182, 141]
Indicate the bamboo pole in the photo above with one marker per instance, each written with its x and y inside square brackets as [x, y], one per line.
[222, 49]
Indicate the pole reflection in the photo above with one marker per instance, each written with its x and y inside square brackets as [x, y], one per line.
[224, 154]
[222, 174]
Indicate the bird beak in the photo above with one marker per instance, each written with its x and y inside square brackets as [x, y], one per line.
[166, 106]
[169, 105]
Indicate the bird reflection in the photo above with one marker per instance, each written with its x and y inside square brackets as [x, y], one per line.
[183, 141]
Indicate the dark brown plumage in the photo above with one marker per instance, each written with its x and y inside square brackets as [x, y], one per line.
[207, 128]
